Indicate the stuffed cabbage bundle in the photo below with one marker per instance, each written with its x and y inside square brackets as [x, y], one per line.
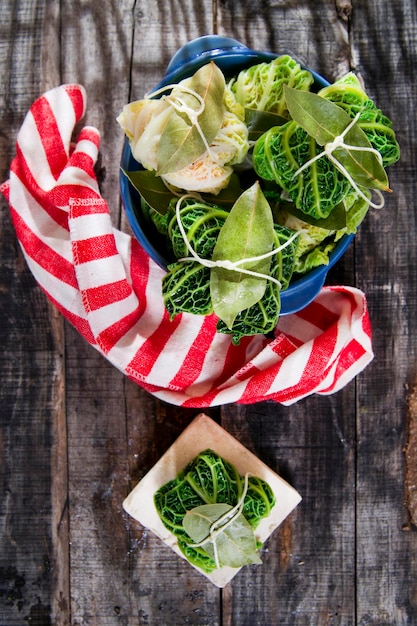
[186, 286]
[210, 480]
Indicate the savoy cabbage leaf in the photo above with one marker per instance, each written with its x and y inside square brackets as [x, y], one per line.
[261, 86]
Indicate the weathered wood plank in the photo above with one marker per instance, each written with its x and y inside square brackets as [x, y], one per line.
[312, 445]
[410, 456]
[96, 50]
[76, 436]
[384, 50]
[97, 469]
[33, 539]
[118, 571]
[312, 32]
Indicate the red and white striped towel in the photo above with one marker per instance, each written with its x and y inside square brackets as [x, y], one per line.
[110, 290]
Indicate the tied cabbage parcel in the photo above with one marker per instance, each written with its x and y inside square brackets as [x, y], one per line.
[252, 180]
[195, 507]
[192, 136]
[186, 285]
[323, 153]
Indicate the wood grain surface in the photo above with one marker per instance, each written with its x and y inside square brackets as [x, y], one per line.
[76, 436]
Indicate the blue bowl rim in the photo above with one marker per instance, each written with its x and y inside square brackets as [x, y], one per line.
[301, 291]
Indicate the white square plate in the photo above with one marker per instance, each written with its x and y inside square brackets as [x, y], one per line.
[201, 434]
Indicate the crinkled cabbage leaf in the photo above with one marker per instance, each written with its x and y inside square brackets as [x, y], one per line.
[186, 285]
[314, 243]
[260, 87]
[186, 289]
[202, 223]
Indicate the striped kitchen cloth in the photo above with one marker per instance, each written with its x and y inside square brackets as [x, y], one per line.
[106, 285]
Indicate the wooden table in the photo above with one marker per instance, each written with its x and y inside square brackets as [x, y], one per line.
[76, 436]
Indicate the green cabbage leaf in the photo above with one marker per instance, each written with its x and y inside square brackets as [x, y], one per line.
[186, 285]
[315, 243]
[261, 86]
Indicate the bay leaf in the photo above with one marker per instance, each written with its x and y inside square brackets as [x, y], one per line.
[324, 121]
[258, 122]
[247, 232]
[181, 143]
[151, 188]
[235, 544]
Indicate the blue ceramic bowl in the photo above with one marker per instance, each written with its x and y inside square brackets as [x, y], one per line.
[231, 56]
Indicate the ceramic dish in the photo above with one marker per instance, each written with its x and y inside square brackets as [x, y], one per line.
[201, 434]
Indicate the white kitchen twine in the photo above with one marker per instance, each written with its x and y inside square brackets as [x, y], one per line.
[338, 142]
[235, 266]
